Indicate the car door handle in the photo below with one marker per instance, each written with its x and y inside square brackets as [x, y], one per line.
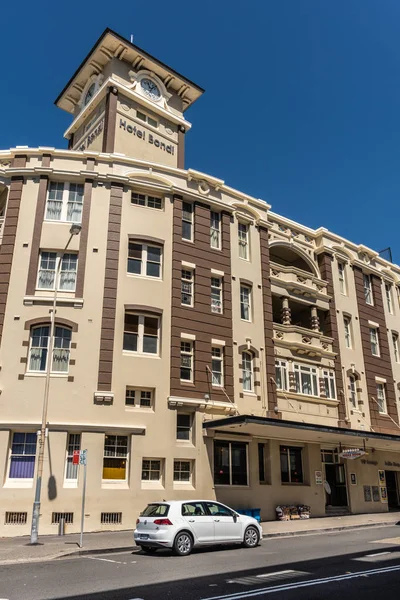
[191, 520]
[216, 520]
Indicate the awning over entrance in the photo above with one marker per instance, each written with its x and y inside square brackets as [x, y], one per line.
[263, 427]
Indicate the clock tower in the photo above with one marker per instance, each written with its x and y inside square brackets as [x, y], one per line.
[125, 101]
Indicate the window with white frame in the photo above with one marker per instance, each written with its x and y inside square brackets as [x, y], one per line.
[115, 457]
[187, 221]
[146, 119]
[395, 340]
[216, 295]
[147, 201]
[23, 455]
[187, 352]
[374, 339]
[184, 427]
[342, 277]
[245, 302]
[247, 371]
[243, 238]
[39, 347]
[369, 299]
[389, 300]
[48, 267]
[281, 375]
[306, 380]
[353, 391]
[381, 397]
[347, 331]
[141, 333]
[144, 259]
[152, 469]
[215, 230]
[187, 287]
[73, 445]
[64, 202]
[139, 398]
[183, 471]
[330, 387]
[217, 366]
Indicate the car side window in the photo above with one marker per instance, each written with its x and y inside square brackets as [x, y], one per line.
[217, 510]
[193, 509]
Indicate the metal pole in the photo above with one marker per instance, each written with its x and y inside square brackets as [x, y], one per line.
[42, 440]
[83, 501]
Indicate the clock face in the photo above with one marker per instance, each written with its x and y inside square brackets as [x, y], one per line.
[90, 93]
[150, 89]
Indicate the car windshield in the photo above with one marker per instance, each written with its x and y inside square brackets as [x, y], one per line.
[155, 510]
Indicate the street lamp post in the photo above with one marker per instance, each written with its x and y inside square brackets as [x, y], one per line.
[74, 230]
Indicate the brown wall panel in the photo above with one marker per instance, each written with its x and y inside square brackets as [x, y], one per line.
[83, 241]
[37, 232]
[110, 121]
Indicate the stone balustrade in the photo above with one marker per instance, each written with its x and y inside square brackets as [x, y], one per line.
[298, 281]
[303, 341]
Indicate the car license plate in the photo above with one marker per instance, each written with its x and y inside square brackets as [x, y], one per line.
[142, 536]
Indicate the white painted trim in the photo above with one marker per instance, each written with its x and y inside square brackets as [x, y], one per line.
[380, 379]
[188, 265]
[218, 273]
[188, 336]
[218, 342]
[373, 324]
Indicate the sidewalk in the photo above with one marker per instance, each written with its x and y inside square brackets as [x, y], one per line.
[17, 550]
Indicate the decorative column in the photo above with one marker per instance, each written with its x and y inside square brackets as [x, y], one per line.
[322, 388]
[292, 378]
[286, 313]
[314, 319]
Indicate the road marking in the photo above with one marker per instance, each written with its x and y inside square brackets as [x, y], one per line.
[304, 584]
[278, 573]
[276, 576]
[378, 556]
[105, 560]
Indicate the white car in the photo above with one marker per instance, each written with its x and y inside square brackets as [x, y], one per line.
[186, 524]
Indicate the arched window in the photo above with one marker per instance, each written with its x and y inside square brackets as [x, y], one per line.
[247, 371]
[39, 349]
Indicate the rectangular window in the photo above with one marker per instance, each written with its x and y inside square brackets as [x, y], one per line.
[281, 374]
[395, 340]
[230, 463]
[183, 471]
[216, 295]
[291, 464]
[49, 266]
[187, 287]
[243, 236]
[39, 344]
[217, 366]
[215, 230]
[23, 455]
[187, 361]
[144, 259]
[184, 427]
[381, 397]
[145, 200]
[64, 202]
[146, 119]
[388, 290]
[187, 221]
[262, 459]
[151, 469]
[245, 302]
[342, 278]
[347, 331]
[141, 333]
[353, 391]
[368, 289]
[115, 457]
[139, 398]
[247, 371]
[306, 380]
[374, 339]
[330, 387]
[73, 444]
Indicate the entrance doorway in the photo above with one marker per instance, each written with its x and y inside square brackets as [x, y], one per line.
[335, 475]
[392, 488]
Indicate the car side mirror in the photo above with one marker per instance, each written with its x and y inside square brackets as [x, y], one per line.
[235, 518]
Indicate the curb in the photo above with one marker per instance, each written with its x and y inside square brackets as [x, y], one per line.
[328, 529]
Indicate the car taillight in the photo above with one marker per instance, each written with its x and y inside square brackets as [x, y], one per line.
[162, 522]
[137, 521]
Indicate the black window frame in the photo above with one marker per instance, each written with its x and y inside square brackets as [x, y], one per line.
[231, 477]
[285, 451]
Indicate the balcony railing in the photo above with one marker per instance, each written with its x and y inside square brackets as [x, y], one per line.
[1, 228]
[303, 341]
[299, 281]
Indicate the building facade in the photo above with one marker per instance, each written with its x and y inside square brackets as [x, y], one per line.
[204, 346]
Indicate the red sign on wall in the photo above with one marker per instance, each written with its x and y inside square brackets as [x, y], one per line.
[75, 457]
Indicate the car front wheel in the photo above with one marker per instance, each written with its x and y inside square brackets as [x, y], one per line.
[183, 544]
[251, 537]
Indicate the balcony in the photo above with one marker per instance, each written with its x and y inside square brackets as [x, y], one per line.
[299, 282]
[1, 228]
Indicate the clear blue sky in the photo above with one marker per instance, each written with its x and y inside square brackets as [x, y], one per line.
[302, 102]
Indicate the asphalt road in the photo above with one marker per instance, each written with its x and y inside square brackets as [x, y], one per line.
[363, 563]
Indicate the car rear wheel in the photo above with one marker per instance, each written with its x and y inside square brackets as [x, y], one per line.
[251, 537]
[183, 544]
[149, 549]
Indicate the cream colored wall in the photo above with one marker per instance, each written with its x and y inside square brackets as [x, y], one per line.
[393, 326]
